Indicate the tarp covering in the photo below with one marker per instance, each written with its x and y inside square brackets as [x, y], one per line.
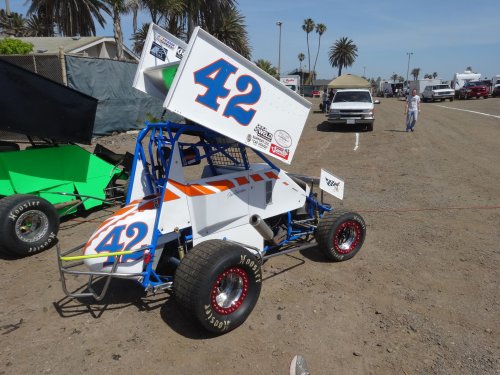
[121, 107]
[349, 81]
[36, 106]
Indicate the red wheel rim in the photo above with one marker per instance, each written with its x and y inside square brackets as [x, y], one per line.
[347, 236]
[229, 290]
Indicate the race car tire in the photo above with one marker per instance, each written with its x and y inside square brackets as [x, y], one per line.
[218, 283]
[340, 234]
[28, 223]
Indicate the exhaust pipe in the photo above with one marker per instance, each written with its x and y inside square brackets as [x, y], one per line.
[261, 227]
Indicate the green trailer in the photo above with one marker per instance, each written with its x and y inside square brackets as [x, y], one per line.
[44, 174]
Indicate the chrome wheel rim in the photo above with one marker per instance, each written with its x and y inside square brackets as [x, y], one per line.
[229, 290]
[347, 236]
[32, 226]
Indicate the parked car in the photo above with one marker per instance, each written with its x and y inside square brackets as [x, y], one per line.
[438, 92]
[496, 91]
[474, 89]
[353, 106]
[316, 93]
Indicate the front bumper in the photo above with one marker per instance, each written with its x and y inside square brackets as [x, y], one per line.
[350, 121]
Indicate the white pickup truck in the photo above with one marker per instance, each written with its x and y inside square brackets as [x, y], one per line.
[438, 92]
[351, 107]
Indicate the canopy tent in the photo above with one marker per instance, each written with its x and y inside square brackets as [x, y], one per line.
[349, 81]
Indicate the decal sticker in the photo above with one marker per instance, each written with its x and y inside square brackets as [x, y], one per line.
[281, 152]
[214, 77]
[160, 39]
[180, 53]
[158, 51]
[283, 138]
[331, 184]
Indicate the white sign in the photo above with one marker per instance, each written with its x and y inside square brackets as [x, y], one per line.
[160, 50]
[331, 184]
[221, 90]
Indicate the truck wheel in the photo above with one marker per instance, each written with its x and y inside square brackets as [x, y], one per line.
[29, 224]
[451, 99]
[218, 283]
[340, 234]
[369, 127]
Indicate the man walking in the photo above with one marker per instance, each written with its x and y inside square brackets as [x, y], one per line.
[412, 110]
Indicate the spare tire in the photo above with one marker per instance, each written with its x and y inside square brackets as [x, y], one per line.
[28, 223]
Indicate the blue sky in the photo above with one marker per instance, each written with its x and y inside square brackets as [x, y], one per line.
[445, 36]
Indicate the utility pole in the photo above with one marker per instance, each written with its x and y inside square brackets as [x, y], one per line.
[408, 68]
[279, 23]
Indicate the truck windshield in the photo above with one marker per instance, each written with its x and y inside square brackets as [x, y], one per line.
[438, 87]
[352, 96]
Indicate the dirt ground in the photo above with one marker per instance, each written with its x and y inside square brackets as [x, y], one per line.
[421, 297]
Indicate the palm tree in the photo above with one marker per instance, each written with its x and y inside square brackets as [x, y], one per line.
[401, 79]
[14, 25]
[220, 18]
[343, 53]
[139, 38]
[415, 72]
[266, 66]
[203, 12]
[394, 77]
[320, 29]
[72, 17]
[301, 58]
[116, 8]
[230, 29]
[434, 75]
[308, 26]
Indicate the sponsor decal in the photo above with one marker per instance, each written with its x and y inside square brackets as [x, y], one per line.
[263, 133]
[279, 151]
[283, 138]
[331, 184]
[158, 51]
[180, 53]
[164, 41]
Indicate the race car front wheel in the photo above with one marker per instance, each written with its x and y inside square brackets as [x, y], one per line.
[218, 283]
[340, 234]
[28, 223]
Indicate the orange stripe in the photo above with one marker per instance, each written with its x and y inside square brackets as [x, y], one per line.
[191, 190]
[256, 177]
[271, 175]
[170, 196]
[222, 184]
[196, 190]
[242, 180]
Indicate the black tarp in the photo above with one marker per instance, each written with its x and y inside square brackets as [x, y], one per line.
[121, 107]
[36, 106]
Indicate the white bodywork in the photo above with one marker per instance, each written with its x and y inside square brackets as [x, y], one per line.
[213, 206]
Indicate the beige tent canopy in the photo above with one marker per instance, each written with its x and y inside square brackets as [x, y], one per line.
[349, 81]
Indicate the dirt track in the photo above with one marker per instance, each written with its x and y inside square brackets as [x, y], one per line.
[422, 296]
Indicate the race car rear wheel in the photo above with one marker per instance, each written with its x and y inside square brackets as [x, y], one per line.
[218, 283]
[28, 223]
[340, 234]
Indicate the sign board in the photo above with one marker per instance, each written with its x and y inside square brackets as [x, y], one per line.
[331, 184]
[221, 90]
[160, 55]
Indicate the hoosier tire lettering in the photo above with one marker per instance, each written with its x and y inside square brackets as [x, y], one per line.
[28, 224]
[218, 283]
